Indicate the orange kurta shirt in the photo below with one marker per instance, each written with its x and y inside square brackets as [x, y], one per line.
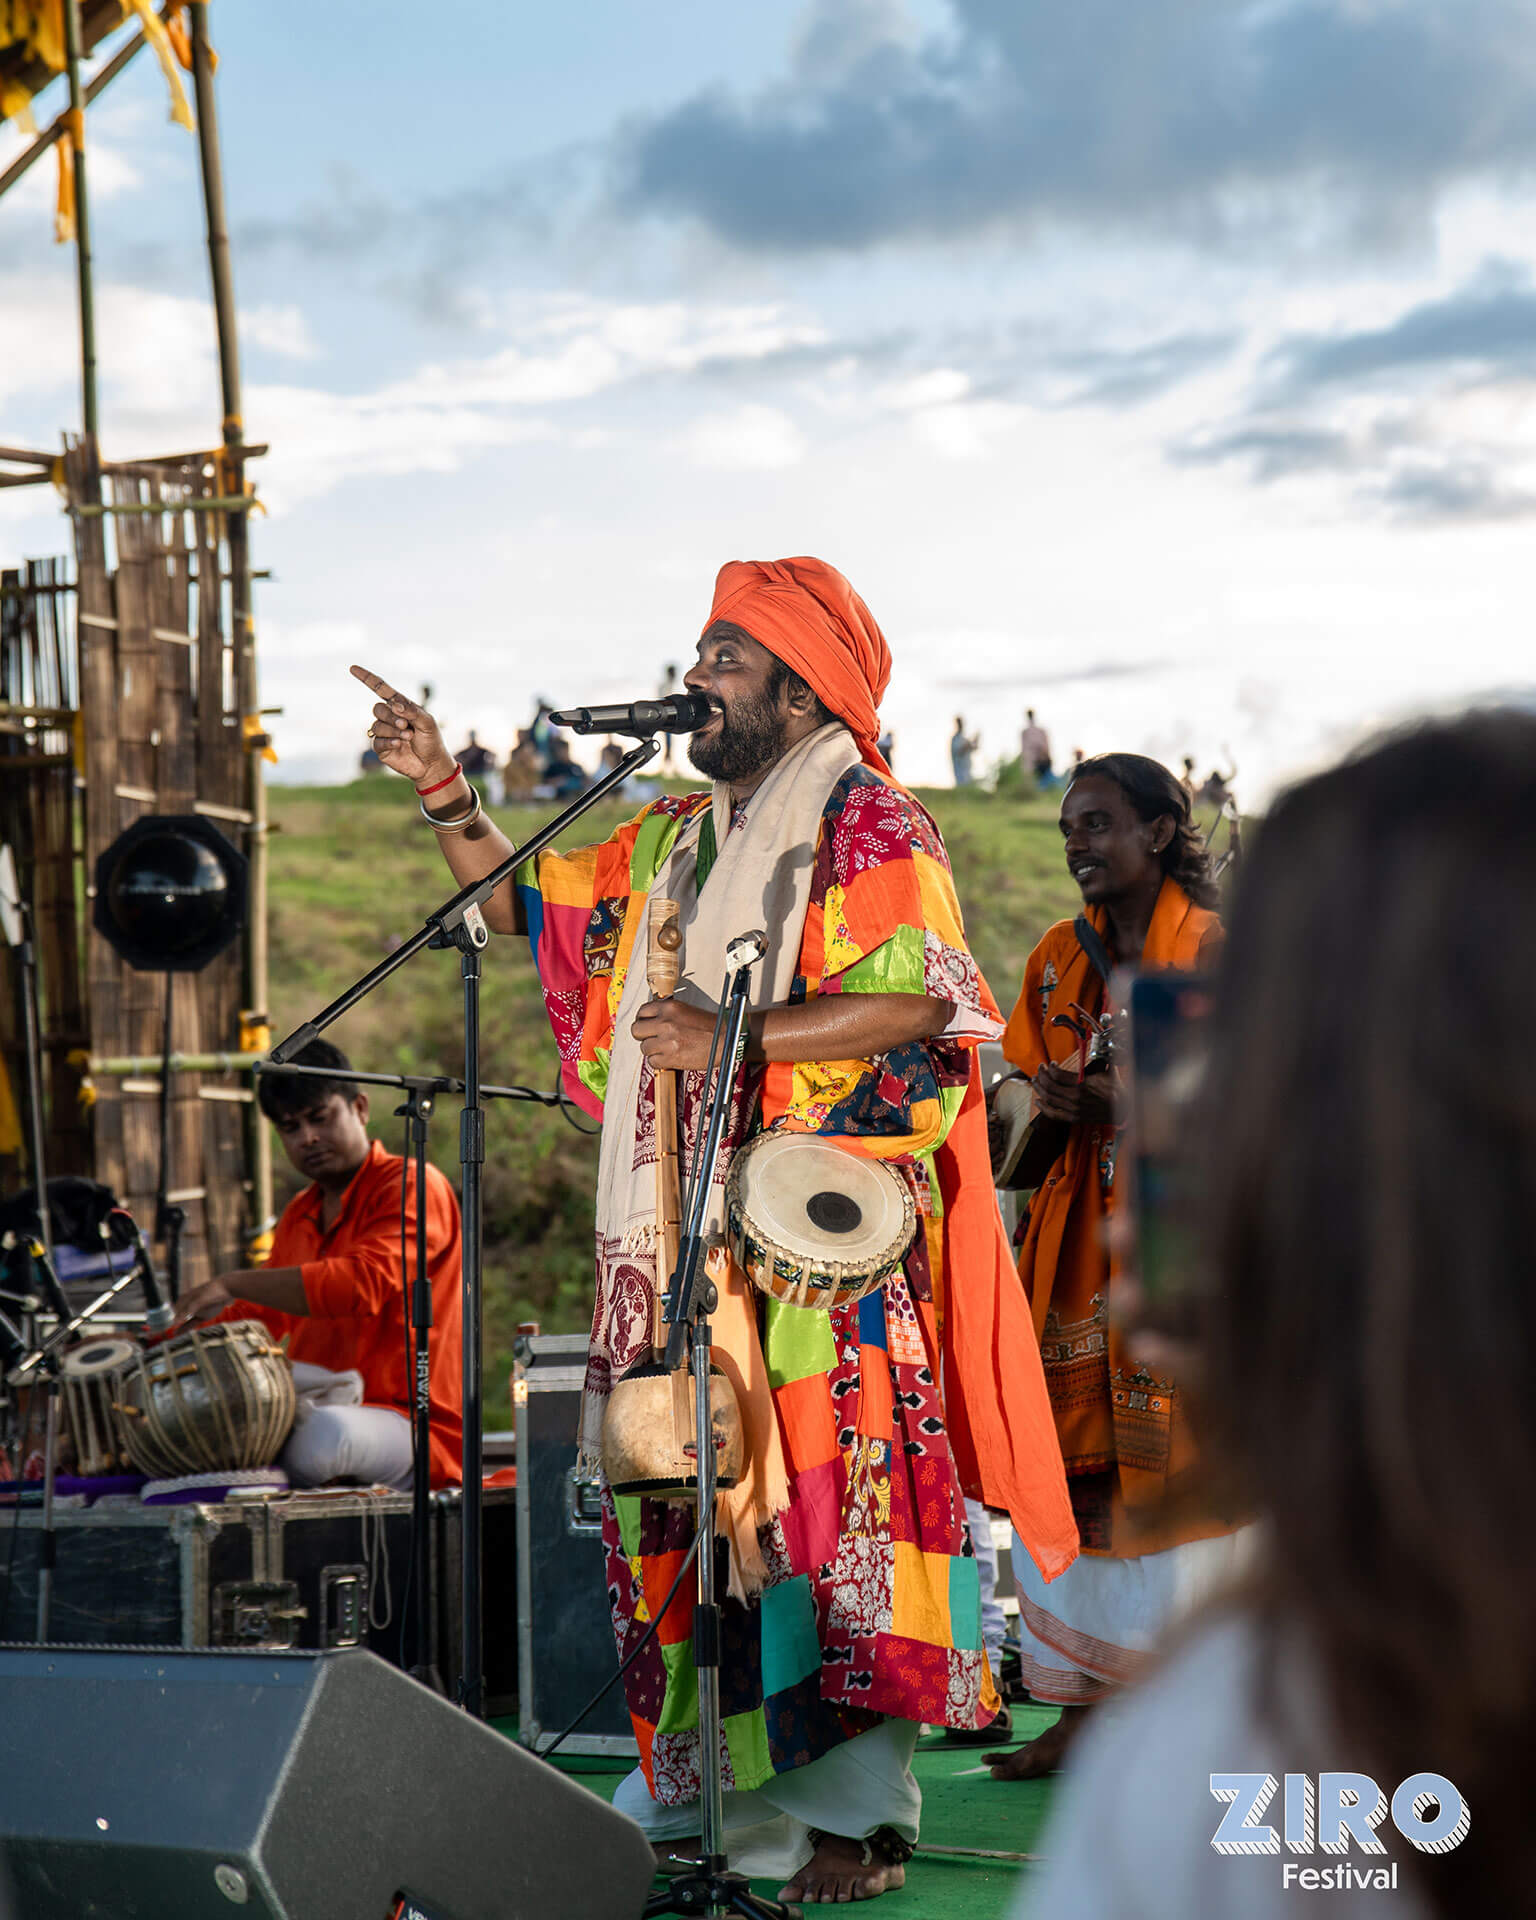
[357, 1304]
[1123, 1435]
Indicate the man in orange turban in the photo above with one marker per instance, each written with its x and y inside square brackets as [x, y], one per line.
[854, 1608]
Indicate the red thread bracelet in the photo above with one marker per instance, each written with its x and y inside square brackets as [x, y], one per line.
[422, 792]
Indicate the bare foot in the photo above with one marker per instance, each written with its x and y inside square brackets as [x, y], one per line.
[1042, 1755]
[836, 1871]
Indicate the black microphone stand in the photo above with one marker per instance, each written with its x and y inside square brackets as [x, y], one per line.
[169, 1218]
[460, 923]
[421, 1092]
[710, 1887]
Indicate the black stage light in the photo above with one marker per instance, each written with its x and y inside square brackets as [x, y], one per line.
[170, 893]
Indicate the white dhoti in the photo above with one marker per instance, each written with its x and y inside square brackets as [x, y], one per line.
[1092, 1630]
[864, 1784]
[336, 1437]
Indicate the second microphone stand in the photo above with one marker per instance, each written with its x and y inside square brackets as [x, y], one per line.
[421, 1096]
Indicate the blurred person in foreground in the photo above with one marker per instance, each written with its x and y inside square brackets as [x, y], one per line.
[1149, 902]
[332, 1289]
[1367, 1336]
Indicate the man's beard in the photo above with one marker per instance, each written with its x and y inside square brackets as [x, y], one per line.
[750, 739]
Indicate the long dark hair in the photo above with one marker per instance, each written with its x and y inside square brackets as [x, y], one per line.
[1371, 1325]
[1153, 792]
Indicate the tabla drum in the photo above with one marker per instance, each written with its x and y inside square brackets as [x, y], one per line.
[214, 1397]
[89, 1377]
[813, 1225]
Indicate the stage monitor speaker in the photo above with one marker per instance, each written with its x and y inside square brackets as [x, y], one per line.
[143, 1784]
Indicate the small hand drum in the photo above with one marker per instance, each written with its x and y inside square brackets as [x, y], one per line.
[214, 1397]
[813, 1225]
[88, 1375]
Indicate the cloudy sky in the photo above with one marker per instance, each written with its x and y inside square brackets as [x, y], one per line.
[1170, 367]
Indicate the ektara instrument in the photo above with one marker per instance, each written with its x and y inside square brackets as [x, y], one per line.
[214, 1397]
[648, 1443]
[812, 1224]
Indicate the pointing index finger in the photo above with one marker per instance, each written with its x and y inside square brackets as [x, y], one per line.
[381, 687]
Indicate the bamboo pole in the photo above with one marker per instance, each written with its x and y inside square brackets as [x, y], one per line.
[255, 982]
[131, 1063]
[53, 134]
[76, 131]
[662, 967]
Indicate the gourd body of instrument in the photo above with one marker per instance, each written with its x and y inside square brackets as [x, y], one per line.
[640, 1451]
[214, 1397]
[813, 1225]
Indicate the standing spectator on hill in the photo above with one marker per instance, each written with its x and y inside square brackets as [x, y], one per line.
[1035, 748]
[1187, 778]
[479, 765]
[522, 772]
[962, 749]
[1217, 790]
[1364, 1328]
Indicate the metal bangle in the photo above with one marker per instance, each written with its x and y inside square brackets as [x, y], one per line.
[453, 826]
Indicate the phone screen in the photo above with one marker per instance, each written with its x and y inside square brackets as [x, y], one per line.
[1167, 1065]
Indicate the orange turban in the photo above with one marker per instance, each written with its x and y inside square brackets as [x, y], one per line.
[806, 614]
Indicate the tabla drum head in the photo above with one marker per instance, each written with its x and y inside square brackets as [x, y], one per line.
[813, 1224]
[93, 1358]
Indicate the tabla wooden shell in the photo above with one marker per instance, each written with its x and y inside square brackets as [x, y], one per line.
[813, 1225]
[214, 1397]
[89, 1377]
[639, 1451]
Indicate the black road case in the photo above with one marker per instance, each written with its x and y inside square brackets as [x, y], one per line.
[181, 1576]
[565, 1632]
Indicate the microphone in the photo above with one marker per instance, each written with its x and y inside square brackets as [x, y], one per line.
[677, 713]
[159, 1313]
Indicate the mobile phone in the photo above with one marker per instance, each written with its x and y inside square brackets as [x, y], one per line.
[1166, 1069]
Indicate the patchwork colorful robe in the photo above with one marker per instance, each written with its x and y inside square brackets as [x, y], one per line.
[872, 1606]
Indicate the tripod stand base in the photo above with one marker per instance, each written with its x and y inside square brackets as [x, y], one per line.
[713, 1890]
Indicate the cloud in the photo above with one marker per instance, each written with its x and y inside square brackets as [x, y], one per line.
[1193, 115]
[1484, 329]
[282, 330]
[1273, 452]
[1454, 488]
[750, 439]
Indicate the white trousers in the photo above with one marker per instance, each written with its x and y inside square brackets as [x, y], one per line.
[370, 1446]
[994, 1626]
[863, 1784]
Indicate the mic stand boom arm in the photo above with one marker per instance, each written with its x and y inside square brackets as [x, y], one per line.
[460, 923]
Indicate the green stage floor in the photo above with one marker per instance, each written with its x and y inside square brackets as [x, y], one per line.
[962, 1807]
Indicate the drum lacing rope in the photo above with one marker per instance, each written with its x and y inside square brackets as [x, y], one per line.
[381, 1604]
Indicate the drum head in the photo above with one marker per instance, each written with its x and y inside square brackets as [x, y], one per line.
[812, 1202]
[95, 1357]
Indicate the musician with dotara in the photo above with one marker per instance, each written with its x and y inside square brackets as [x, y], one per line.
[1148, 902]
[867, 1405]
[334, 1291]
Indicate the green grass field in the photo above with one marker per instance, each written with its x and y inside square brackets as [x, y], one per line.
[354, 871]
